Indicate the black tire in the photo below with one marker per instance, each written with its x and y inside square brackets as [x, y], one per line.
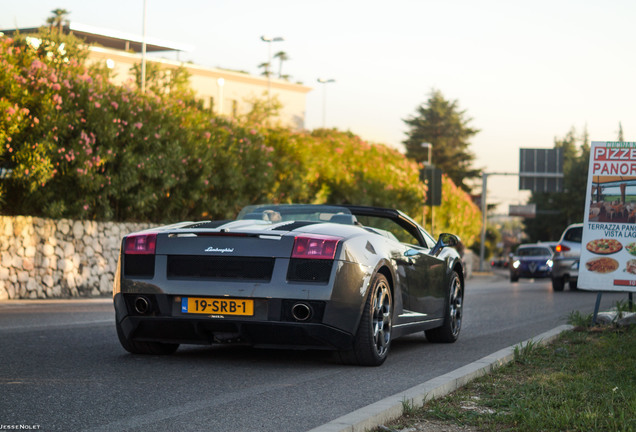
[373, 339]
[514, 278]
[449, 331]
[557, 284]
[573, 283]
[156, 348]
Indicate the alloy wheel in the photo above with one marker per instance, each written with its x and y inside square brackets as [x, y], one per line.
[381, 319]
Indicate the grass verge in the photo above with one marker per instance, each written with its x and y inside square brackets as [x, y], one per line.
[584, 381]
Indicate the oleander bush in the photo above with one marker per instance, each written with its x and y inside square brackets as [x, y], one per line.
[82, 147]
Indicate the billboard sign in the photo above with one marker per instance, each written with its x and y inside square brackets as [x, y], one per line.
[527, 211]
[541, 169]
[608, 249]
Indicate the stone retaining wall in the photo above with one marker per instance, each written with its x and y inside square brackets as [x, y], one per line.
[46, 258]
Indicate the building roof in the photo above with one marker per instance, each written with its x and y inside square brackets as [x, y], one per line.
[112, 38]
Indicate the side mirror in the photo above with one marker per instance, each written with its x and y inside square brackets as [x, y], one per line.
[445, 240]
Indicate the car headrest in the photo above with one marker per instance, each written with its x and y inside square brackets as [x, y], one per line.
[346, 219]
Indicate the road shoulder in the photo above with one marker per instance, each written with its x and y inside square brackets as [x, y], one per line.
[390, 408]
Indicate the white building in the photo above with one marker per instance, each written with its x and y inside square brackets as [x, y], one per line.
[225, 92]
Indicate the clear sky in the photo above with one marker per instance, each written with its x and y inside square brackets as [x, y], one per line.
[525, 72]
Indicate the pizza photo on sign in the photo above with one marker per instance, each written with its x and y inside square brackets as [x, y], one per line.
[604, 246]
[630, 267]
[602, 265]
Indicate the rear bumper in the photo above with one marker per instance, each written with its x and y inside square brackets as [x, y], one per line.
[565, 267]
[275, 329]
[529, 274]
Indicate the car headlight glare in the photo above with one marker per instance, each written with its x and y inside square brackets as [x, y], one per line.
[516, 264]
[549, 263]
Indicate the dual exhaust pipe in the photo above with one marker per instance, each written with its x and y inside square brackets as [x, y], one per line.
[300, 311]
[142, 305]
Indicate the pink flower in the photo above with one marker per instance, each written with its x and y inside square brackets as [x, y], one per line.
[138, 125]
[37, 64]
[207, 135]
[97, 105]
[85, 206]
[86, 77]
[114, 104]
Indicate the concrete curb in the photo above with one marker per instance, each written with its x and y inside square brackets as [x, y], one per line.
[388, 409]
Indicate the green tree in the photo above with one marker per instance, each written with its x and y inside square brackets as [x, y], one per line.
[457, 214]
[555, 211]
[263, 111]
[265, 67]
[58, 19]
[441, 123]
[282, 57]
[493, 237]
[620, 132]
[162, 81]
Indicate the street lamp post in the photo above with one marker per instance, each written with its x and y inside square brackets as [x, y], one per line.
[269, 41]
[324, 81]
[143, 50]
[220, 82]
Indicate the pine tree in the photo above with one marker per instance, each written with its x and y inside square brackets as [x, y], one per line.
[441, 123]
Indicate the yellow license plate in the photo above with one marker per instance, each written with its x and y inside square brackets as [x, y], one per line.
[217, 306]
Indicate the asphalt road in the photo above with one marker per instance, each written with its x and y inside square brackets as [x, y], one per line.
[62, 368]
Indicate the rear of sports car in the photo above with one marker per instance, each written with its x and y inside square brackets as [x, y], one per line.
[201, 284]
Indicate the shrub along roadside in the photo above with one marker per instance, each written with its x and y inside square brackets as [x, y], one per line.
[83, 148]
[582, 381]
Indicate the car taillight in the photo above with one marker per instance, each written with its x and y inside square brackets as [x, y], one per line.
[315, 247]
[561, 248]
[141, 244]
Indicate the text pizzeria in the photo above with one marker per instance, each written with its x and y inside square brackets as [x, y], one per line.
[614, 154]
[614, 168]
